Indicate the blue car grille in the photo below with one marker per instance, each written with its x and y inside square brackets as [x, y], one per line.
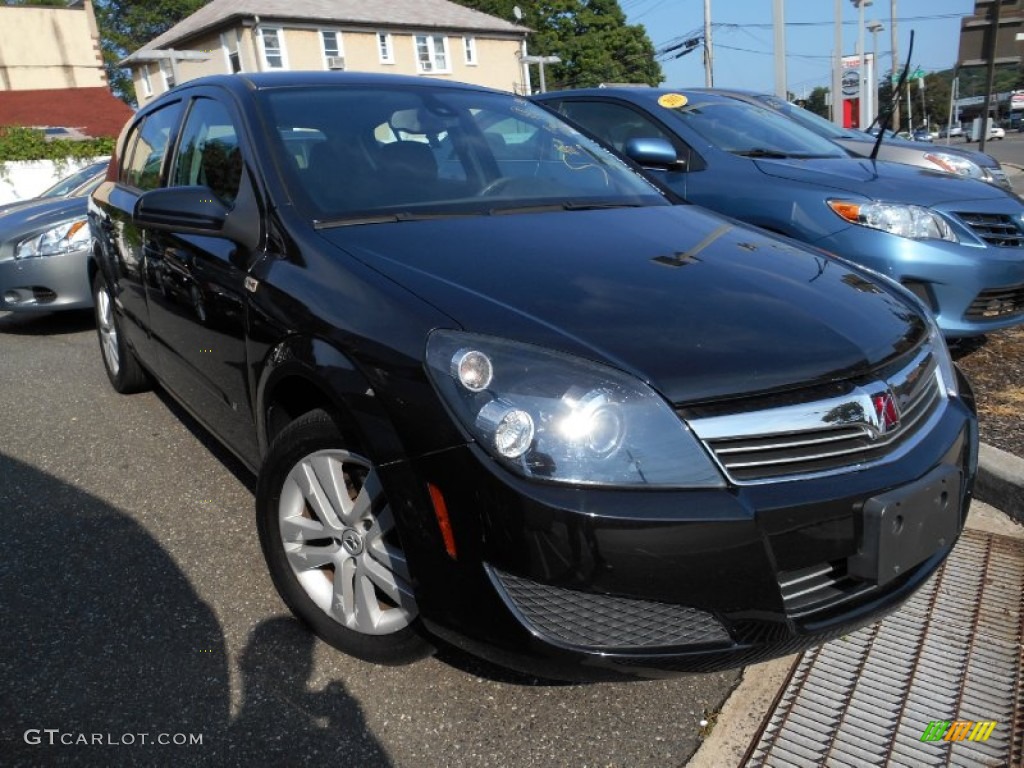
[997, 229]
[997, 302]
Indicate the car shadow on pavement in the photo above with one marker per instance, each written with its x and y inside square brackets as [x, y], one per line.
[47, 324]
[106, 650]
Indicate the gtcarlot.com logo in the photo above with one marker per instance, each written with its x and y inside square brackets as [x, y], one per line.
[55, 737]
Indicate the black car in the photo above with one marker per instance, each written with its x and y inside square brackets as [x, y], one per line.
[501, 393]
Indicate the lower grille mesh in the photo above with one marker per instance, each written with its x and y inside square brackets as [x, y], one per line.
[587, 620]
[997, 302]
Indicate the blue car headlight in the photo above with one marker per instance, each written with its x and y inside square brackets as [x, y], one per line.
[912, 221]
[550, 416]
[61, 238]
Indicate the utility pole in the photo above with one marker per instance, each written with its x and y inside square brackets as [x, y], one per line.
[862, 92]
[709, 60]
[990, 73]
[874, 27]
[837, 66]
[779, 22]
[895, 66]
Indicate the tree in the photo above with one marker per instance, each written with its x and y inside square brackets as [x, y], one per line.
[127, 25]
[817, 102]
[591, 37]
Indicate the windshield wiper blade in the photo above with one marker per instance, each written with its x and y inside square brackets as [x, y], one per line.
[762, 152]
[568, 205]
[386, 218]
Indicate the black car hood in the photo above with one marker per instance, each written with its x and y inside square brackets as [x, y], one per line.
[889, 182]
[699, 306]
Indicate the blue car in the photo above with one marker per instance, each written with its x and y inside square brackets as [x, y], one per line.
[956, 243]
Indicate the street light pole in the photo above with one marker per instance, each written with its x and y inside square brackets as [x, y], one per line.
[779, 22]
[895, 64]
[874, 27]
[862, 99]
[837, 66]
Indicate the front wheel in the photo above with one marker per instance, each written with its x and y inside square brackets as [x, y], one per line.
[330, 542]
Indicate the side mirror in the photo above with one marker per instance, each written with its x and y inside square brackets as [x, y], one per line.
[188, 210]
[654, 153]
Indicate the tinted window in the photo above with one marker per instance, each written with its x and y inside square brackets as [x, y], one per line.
[615, 124]
[149, 146]
[438, 150]
[208, 154]
[742, 128]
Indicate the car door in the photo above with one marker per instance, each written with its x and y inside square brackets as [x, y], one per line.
[141, 169]
[615, 123]
[197, 285]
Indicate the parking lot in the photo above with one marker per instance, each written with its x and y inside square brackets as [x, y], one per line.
[137, 602]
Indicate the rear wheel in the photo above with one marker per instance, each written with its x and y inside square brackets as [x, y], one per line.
[330, 541]
[123, 369]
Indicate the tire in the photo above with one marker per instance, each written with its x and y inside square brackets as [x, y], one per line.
[330, 542]
[123, 369]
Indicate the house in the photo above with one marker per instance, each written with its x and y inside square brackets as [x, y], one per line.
[51, 72]
[434, 38]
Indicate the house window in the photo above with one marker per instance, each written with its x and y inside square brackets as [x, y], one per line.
[167, 70]
[469, 49]
[147, 83]
[273, 47]
[387, 54]
[333, 53]
[229, 42]
[432, 53]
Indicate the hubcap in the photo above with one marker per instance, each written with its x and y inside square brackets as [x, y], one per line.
[339, 536]
[108, 331]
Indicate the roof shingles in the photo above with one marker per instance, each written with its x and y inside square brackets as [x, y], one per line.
[421, 14]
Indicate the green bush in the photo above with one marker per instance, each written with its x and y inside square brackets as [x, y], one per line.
[17, 143]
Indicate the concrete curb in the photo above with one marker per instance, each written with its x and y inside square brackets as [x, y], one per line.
[1001, 481]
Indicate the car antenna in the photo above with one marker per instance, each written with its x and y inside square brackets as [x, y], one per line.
[886, 115]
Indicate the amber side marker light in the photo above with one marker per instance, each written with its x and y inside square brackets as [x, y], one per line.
[849, 211]
[441, 513]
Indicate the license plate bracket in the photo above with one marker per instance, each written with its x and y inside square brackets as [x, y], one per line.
[906, 526]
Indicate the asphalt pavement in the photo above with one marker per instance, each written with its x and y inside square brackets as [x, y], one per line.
[137, 610]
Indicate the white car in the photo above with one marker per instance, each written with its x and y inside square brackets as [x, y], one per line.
[995, 132]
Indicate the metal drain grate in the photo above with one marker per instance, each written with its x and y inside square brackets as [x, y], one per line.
[953, 653]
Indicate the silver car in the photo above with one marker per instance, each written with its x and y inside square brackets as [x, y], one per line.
[44, 245]
[962, 162]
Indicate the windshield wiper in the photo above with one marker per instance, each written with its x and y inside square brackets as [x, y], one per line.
[568, 205]
[761, 152]
[387, 218]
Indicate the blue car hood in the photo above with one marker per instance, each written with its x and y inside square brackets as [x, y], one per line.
[889, 182]
[699, 306]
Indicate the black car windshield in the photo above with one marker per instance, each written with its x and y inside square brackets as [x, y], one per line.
[369, 154]
[743, 129]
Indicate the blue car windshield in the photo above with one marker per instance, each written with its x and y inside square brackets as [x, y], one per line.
[373, 154]
[743, 129]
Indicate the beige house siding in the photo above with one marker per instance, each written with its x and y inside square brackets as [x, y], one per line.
[302, 49]
[48, 48]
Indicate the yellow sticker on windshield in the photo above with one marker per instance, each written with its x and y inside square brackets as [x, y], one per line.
[672, 100]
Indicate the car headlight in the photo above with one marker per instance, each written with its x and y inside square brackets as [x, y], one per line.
[62, 238]
[913, 221]
[551, 416]
[946, 371]
[957, 164]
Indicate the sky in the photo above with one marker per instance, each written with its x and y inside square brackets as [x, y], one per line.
[742, 37]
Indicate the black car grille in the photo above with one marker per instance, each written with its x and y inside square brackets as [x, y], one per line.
[997, 302]
[588, 620]
[828, 448]
[995, 228]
